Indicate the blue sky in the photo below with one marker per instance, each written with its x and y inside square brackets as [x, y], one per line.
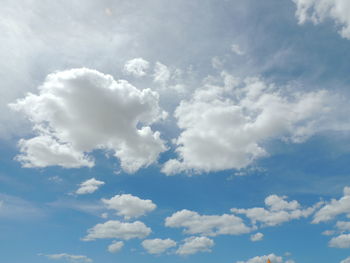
[178, 131]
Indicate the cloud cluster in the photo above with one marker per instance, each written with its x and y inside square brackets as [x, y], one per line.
[277, 211]
[81, 110]
[334, 208]
[262, 259]
[257, 237]
[343, 226]
[115, 246]
[136, 67]
[317, 11]
[119, 230]
[347, 260]
[193, 245]
[69, 257]
[210, 225]
[225, 127]
[157, 245]
[161, 74]
[129, 206]
[89, 186]
[341, 241]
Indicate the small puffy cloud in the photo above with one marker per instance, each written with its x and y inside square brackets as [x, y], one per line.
[117, 229]
[237, 49]
[257, 237]
[225, 127]
[211, 225]
[136, 67]
[347, 260]
[277, 203]
[161, 74]
[193, 245]
[158, 246]
[115, 246]
[81, 110]
[317, 11]
[334, 208]
[216, 62]
[69, 258]
[89, 186]
[328, 232]
[343, 226]
[277, 211]
[262, 259]
[341, 241]
[129, 206]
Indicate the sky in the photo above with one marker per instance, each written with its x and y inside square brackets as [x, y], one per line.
[175, 131]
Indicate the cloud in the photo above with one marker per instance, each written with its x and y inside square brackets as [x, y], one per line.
[158, 246]
[69, 258]
[237, 50]
[343, 226]
[328, 232]
[129, 206]
[211, 225]
[89, 186]
[277, 211]
[117, 229]
[225, 127]
[193, 245]
[347, 260]
[317, 11]
[334, 208]
[136, 67]
[161, 74]
[115, 246]
[342, 241]
[262, 259]
[81, 110]
[257, 237]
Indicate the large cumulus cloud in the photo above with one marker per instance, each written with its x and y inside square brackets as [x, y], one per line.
[80, 110]
[225, 126]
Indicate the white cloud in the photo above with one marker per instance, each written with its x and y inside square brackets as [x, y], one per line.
[277, 211]
[80, 110]
[226, 127]
[129, 206]
[193, 245]
[328, 232]
[211, 225]
[89, 186]
[69, 258]
[262, 259]
[342, 241]
[117, 229]
[347, 260]
[161, 74]
[44, 150]
[136, 67]
[317, 11]
[237, 49]
[343, 226]
[158, 246]
[334, 208]
[115, 246]
[257, 237]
